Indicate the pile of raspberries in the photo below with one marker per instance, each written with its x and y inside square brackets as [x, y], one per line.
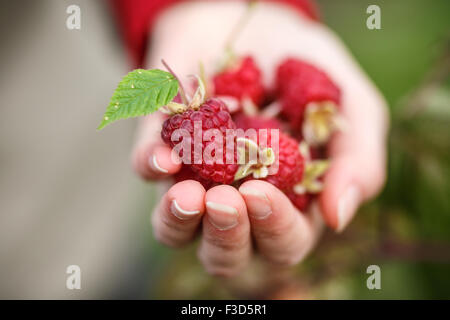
[302, 105]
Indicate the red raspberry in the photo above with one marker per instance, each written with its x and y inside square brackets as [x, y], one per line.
[243, 81]
[290, 164]
[290, 161]
[299, 83]
[300, 201]
[213, 114]
[302, 194]
[245, 122]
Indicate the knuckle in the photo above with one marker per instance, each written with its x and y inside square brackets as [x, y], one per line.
[169, 240]
[172, 223]
[170, 236]
[274, 232]
[161, 238]
[219, 264]
[222, 271]
[227, 245]
[286, 260]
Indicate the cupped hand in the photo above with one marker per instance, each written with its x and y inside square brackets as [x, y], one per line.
[228, 219]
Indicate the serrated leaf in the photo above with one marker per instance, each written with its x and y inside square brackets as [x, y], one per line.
[140, 92]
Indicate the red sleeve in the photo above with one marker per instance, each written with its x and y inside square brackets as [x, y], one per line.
[136, 17]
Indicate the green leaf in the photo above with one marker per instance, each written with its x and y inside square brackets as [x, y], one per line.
[140, 92]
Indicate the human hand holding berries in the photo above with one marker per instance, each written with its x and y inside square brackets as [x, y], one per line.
[228, 217]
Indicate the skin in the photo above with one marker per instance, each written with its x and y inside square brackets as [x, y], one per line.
[230, 219]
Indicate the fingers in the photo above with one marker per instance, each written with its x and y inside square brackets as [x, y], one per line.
[358, 154]
[225, 246]
[152, 159]
[179, 214]
[282, 234]
[154, 162]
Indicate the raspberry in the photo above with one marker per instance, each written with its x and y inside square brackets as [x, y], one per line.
[300, 201]
[311, 184]
[213, 114]
[245, 122]
[298, 84]
[243, 81]
[290, 163]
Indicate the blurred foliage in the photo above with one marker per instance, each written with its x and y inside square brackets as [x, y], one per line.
[399, 55]
[406, 230]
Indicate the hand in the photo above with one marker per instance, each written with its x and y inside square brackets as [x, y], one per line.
[229, 218]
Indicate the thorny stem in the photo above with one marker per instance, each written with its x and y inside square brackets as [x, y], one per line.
[182, 91]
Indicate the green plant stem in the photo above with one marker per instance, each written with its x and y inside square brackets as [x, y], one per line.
[180, 84]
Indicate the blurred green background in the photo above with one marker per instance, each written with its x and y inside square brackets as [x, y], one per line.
[406, 230]
[409, 60]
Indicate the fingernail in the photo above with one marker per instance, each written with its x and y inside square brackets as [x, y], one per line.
[180, 213]
[257, 203]
[221, 216]
[347, 205]
[155, 165]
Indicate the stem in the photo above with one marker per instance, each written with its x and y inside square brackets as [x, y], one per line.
[203, 76]
[182, 91]
[239, 26]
